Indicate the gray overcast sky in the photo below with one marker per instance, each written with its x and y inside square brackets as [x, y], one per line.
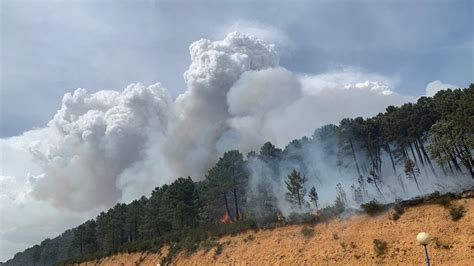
[49, 48]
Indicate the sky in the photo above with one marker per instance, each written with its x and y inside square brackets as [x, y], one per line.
[356, 56]
[52, 47]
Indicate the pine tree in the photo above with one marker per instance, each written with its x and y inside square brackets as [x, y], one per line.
[411, 171]
[357, 195]
[295, 185]
[341, 194]
[313, 197]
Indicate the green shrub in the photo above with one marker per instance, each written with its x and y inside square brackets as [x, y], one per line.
[443, 200]
[330, 212]
[394, 216]
[189, 245]
[172, 252]
[457, 213]
[300, 218]
[249, 238]
[219, 249]
[399, 209]
[441, 244]
[434, 195]
[209, 243]
[307, 231]
[380, 247]
[372, 207]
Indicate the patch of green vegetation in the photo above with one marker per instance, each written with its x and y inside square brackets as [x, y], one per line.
[209, 243]
[219, 249]
[249, 238]
[329, 212]
[380, 247]
[301, 218]
[441, 199]
[394, 216]
[457, 213]
[441, 244]
[398, 208]
[307, 231]
[372, 207]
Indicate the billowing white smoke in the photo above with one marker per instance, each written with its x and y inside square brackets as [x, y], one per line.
[278, 106]
[94, 138]
[112, 146]
[202, 109]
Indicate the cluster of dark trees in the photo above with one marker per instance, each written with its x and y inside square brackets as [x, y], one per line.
[435, 133]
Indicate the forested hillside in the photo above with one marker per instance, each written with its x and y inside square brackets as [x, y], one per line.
[410, 150]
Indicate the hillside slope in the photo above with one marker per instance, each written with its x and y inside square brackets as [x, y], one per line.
[341, 241]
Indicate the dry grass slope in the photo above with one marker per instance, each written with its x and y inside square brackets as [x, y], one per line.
[348, 241]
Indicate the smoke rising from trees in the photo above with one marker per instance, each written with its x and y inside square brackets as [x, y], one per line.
[110, 146]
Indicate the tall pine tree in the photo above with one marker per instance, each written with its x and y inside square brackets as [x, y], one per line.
[296, 190]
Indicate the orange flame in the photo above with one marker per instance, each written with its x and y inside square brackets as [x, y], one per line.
[225, 219]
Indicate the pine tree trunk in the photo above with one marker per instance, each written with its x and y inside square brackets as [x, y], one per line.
[465, 161]
[413, 153]
[237, 213]
[400, 180]
[451, 168]
[391, 158]
[404, 153]
[416, 181]
[227, 208]
[452, 155]
[354, 156]
[378, 189]
[299, 200]
[444, 171]
[419, 153]
[427, 158]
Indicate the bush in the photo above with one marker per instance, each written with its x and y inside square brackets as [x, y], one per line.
[219, 249]
[330, 212]
[172, 252]
[249, 238]
[300, 218]
[443, 200]
[189, 245]
[380, 247]
[457, 213]
[270, 221]
[209, 243]
[394, 216]
[399, 209]
[434, 195]
[441, 244]
[372, 207]
[307, 231]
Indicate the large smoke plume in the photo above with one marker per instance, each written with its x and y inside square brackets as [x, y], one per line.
[109, 146]
[202, 109]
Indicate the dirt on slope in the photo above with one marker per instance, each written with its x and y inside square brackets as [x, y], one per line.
[343, 241]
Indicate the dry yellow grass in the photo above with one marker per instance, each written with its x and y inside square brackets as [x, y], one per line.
[347, 241]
